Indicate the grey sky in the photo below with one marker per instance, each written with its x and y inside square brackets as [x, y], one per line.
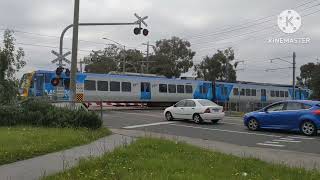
[207, 24]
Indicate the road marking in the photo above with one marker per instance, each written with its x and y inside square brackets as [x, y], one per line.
[223, 130]
[300, 137]
[288, 139]
[282, 140]
[273, 145]
[145, 125]
[271, 142]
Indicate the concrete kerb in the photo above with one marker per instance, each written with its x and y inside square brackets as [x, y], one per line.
[289, 158]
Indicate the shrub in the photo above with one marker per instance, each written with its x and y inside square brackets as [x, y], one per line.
[41, 113]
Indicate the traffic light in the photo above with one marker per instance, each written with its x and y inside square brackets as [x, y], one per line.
[145, 32]
[137, 31]
[59, 71]
[55, 81]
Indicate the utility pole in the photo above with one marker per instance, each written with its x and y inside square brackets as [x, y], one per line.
[74, 52]
[294, 75]
[124, 59]
[148, 53]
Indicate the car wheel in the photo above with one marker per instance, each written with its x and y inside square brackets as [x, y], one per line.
[215, 121]
[308, 128]
[197, 119]
[253, 124]
[169, 116]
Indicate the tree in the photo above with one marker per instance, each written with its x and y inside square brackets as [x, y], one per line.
[315, 82]
[11, 61]
[112, 59]
[133, 59]
[306, 73]
[218, 67]
[171, 57]
[103, 61]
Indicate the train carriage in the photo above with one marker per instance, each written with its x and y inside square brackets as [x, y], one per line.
[156, 90]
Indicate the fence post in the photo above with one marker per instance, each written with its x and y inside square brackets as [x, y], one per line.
[101, 110]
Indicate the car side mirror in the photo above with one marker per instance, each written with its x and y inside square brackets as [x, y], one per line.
[265, 110]
[174, 105]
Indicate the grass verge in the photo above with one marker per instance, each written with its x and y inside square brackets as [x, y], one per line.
[161, 159]
[18, 143]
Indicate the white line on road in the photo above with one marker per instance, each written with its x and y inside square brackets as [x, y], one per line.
[273, 145]
[145, 125]
[282, 140]
[288, 139]
[271, 142]
[238, 124]
[224, 130]
[300, 137]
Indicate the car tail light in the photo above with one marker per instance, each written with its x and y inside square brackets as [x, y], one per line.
[207, 110]
[316, 112]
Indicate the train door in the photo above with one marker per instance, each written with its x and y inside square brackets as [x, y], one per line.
[39, 84]
[145, 91]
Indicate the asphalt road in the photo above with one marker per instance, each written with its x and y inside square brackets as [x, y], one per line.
[230, 130]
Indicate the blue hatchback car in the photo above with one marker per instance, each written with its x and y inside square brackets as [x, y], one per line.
[294, 115]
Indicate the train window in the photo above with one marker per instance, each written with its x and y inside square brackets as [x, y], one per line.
[163, 88]
[242, 92]
[263, 92]
[277, 94]
[89, 85]
[248, 92]
[172, 88]
[272, 94]
[281, 93]
[114, 86]
[145, 87]
[286, 94]
[180, 88]
[189, 89]
[126, 87]
[103, 85]
[235, 91]
[253, 92]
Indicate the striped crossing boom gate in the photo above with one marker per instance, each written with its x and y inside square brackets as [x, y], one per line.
[112, 104]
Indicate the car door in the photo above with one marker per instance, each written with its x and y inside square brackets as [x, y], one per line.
[189, 109]
[178, 109]
[271, 117]
[291, 114]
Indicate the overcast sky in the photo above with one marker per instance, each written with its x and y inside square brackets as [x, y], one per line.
[209, 25]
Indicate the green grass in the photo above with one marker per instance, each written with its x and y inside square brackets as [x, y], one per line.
[160, 159]
[18, 143]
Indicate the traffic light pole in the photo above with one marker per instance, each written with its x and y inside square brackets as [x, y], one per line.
[75, 26]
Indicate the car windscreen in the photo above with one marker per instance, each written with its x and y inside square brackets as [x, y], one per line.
[204, 102]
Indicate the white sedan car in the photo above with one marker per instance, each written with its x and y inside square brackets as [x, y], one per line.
[198, 110]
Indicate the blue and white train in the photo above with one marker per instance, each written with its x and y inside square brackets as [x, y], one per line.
[155, 90]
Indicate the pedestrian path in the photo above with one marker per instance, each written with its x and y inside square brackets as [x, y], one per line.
[52, 163]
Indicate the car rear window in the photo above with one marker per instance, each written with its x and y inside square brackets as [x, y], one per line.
[204, 102]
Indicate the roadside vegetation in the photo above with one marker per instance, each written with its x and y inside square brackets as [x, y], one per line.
[35, 127]
[162, 159]
[18, 143]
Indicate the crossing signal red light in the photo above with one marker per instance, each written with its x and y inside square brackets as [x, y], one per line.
[55, 81]
[137, 31]
[59, 71]
[145, 32]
